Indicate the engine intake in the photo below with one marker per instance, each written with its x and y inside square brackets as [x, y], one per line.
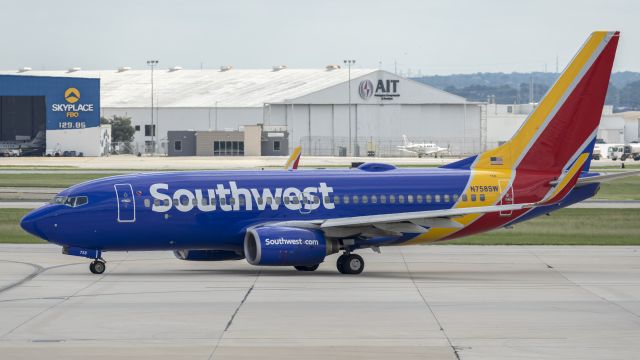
[287, 246]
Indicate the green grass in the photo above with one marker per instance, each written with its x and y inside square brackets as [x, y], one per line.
[563, 227]
[10, 231]
[627, 188]
[47, 180]
[567, 227]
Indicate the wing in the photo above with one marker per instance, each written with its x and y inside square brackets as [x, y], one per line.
[606, 177]
[396, 223]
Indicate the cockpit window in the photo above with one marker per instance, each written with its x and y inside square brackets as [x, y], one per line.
[71, 201]
[59, 200]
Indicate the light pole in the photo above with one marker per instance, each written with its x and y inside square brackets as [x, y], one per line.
[357, 152]
[152, 64]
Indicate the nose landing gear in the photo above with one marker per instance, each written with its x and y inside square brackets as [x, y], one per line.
[98, 266]
[350, 264]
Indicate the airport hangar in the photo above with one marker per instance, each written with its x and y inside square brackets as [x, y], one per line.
[307, 107]
[66, 108]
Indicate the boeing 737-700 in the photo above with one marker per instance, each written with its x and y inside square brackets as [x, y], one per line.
[297, 218]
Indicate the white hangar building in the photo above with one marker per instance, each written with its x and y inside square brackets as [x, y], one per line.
[310, 106]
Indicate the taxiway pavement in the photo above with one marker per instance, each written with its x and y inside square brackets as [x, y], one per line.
[431, 302]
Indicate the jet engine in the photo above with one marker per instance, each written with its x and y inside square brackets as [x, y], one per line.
[287, 246]
[207, 255]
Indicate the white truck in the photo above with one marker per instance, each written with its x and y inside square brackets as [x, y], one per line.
[624, 152]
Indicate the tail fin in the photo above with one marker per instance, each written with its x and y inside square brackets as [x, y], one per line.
[294, 159]
[405, 140]
[564, 124]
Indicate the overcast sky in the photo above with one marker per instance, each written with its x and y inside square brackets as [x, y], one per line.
[433, 37]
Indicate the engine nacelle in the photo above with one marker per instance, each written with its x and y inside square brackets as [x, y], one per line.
[287, 246]
[207, 255]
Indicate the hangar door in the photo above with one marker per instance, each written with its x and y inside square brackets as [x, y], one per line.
[21, 117]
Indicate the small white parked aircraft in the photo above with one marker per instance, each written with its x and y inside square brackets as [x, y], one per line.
[422, 149]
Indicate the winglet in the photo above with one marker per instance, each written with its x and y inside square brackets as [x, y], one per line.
[294, 159]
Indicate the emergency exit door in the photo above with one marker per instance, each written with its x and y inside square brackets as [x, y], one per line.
[507, 197]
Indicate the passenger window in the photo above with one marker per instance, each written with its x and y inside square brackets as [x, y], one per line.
[286, 200]
[437, 198]
[316, 200]
[428, 198]
[278, 201]
[166, 202]
[392, 199]
[184, 200]
[455, 197]
[223, 201]
[345, 199]
[383, 199]
[241, 201]
[175, 202]
[464, 197]
[194, 201]
[327, 199]
[473, 197]
[295, 200]
[481, 197]
[374, 199]
[336, 199]
[355, 199]
[419, 199]
[365, 199]
[410, 199]
[232, 201]
[147, 203]
[446, 198]
[269, 200]
[156, 202]
[401, 199]
[259, 201]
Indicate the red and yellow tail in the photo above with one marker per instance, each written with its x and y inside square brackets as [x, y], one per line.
[549, 146]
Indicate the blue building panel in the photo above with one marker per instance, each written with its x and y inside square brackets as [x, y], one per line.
[71, 102]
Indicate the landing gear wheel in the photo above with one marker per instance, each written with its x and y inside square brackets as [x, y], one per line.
[97, 267]
[350, 264]
[340, 263]
[306, 268]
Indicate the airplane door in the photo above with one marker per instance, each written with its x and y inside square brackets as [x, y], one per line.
[307, 204]
[507, 198]
[126, 203]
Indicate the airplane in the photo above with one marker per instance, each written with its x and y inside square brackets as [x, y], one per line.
[298, 218]
[34, 146]
[422, 149]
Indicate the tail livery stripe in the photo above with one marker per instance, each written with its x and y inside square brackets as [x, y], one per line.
[294, 158]
[549, 147]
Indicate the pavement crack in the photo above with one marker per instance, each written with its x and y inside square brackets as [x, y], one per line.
[424, 299]
[238, 308]
[584, 288]
[233, 316]
[63, 300]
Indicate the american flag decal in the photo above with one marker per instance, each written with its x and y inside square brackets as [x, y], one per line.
[496, 160]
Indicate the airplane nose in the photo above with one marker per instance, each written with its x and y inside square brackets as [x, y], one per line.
[30, 223]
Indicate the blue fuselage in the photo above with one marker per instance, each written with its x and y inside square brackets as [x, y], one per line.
[213, 209]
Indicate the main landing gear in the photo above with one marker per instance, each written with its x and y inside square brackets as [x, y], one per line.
[98, 266]
[350, 264]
